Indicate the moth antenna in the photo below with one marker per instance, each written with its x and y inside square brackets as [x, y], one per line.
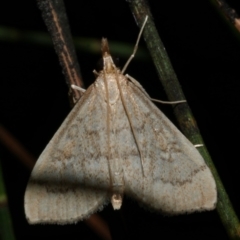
[136, 46]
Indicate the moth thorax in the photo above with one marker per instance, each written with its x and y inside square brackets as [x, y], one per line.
[116, 201]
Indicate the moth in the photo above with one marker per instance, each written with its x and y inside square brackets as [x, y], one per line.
[116, 142]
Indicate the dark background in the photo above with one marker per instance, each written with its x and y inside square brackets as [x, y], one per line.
[205, 54]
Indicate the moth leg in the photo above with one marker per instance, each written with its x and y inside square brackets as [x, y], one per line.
[168, 102]
[78, 88]
[198, 145]
[135, 82]
[95, 73]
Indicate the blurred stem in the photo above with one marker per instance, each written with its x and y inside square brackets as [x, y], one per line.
[182, 112]
[6, 229]
[83, 44]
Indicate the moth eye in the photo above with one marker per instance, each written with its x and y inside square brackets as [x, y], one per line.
[99, 66]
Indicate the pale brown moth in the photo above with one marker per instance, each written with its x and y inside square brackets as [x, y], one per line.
[115, 141]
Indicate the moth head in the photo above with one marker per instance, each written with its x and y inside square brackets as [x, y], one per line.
[108, 64]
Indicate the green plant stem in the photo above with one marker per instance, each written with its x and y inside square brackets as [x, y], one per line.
[6, 229]
[182, 112]
[83, 44]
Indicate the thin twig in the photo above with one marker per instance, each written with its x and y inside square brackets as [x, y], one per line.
[182, 112]
[16, 148]
[54, 15]
[228, 13]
